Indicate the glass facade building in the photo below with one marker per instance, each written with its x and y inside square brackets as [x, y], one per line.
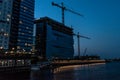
[53, 39]
[5, 22]
[18, 24]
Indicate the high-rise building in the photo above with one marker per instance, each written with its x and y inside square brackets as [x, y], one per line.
[53, 39]
[16, 24]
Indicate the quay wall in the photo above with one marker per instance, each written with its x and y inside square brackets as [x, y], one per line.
[60, 66]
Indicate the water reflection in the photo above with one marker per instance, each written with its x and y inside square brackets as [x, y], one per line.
[84, 72]
[77, 72]
[41, 75]
[67, 75]
[15, 76]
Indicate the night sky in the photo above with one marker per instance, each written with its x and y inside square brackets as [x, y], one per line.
[100, 23]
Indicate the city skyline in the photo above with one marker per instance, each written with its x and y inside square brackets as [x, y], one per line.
[100, 23]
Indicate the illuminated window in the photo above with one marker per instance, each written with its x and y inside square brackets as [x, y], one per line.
[8, 19]
[22, 33]
[26, 44]
[20, 22]
[9, 15]
[6, 34]
[27, 27]
[18, 47]
[25, 8]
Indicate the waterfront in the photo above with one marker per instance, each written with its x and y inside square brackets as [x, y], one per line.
[108, 71]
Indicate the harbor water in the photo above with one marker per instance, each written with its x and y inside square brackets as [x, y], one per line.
[107, 71]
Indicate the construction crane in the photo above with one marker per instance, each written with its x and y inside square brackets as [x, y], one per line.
[78, 41]
[84, 53]
[63, 8]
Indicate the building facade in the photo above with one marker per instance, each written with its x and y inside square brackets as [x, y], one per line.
[5, 22]
[53, 39]
[16, 24]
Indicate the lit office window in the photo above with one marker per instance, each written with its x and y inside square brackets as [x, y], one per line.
[19, 40]
[22, 33]
[26, 44]
[18, 47]
[20, 22]
[27, 27]
[25, 8]
[9, 15]
[8, 19]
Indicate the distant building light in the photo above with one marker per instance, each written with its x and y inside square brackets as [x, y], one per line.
[1, 47]
[20, 22]
[27, 27]
[6, 34]
[9, 15]
[18, 47]
[8, 19]
[13, 48]
[26, 44]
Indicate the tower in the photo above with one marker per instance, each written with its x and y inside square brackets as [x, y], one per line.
[16, 24]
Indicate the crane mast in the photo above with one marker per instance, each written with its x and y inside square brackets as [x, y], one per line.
[85, 52]
[78, 41]
[63, 8]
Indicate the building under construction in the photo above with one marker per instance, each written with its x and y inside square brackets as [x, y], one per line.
[53, 39]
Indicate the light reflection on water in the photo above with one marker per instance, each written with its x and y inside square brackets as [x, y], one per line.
[80, 72]
[109, 71]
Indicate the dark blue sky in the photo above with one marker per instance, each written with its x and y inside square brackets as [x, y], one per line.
[101, 23]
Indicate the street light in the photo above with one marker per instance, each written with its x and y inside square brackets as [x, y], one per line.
[1, 48]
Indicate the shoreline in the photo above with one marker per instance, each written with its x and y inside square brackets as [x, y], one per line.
[79, 63]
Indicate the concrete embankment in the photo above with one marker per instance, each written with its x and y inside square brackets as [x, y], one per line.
[55, 65]
[67, 65]
[77, 62]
